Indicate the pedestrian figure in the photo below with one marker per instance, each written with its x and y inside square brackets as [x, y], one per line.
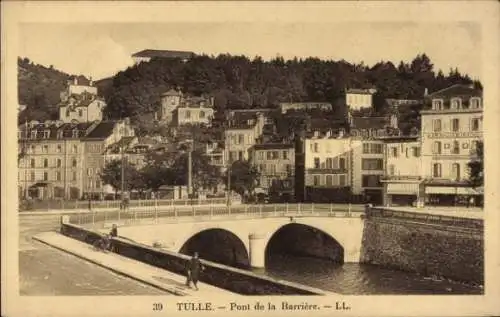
[194, 268]
[114, 231]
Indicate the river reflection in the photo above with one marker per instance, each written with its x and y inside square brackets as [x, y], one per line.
[359, 279]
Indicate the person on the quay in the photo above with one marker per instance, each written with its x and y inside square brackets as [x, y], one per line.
[194, 268]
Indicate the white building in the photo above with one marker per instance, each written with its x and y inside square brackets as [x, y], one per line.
[403, 183]
[356, 99]
[80, 103]
[452, 126]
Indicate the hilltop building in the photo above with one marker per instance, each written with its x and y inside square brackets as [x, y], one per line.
[80, 103]
[148, 54]
[181, 109]
[356, 99]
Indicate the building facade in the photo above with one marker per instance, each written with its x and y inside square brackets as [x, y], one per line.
[241, 135]
[356, 99]
[81, 103]
[275, 163]
[402, 181]
[452, 127]
[304, 106]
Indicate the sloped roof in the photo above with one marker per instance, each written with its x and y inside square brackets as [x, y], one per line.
[102, 130]
[456, 90]
[172, 92]
[164, 54]
[273, 146]
[369, 122]
[55, 132]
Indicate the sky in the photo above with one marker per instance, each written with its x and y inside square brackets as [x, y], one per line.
[102, 49]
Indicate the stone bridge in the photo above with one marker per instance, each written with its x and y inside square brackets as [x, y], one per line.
[247, 241]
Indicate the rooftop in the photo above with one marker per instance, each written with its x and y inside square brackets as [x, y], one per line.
[361, 123]
[164, 54]
[457, 90]
[273, 146]
[102, 130]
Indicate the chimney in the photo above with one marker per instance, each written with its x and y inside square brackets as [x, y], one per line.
[341, 133]
[75, 81]
[316, 133]
[426, 92]
[328, 134]
[394, 121]
[91, 83]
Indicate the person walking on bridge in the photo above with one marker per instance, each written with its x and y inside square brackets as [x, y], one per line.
[194, 268]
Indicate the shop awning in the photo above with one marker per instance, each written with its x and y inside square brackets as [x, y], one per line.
[452, 190]
[402, 189]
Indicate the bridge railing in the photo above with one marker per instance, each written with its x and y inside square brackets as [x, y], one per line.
[156, 215]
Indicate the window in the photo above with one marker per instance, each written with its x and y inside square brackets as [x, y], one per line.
[376, 148]
[342, 163]
[58, 176]
[392, 169]
[371, 181]
[97, 184]
[316, 162]
[366, 148]
[316, 180]
[60, 134]
[33, 134]
[75, 133]
[372, 164]
[45, 149]
[394, 151]
[416, 151]
[456, 103]
[272, 168]
[474, 146]
[289, 168]
[316, 147]
[436, 148]
[46, 134]
[58, 149]
[45, 176]
[276, 155]
[260, 155]
[455, 171]
[436, 170]
[202, 114]
[187, 114]
[74, 176]
[75, 148]
[89, 171]
[329, 162]
[32, 176]
[455, 125]
[240, 155]
[456, 147]
[74, 163]
[475, 103]
[33, 149]
[32, 163]
[341, 180]
[436, 126]
[285, 155]
[329, 180]
[80, 113]
[475, 124]
[58, 162]
[437, 104]
[45, 163]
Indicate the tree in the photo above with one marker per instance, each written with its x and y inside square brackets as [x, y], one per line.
[244, 177]
[112, 175]
[476, 165]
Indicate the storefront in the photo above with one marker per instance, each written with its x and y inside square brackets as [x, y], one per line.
[401, 194]
[453, 196]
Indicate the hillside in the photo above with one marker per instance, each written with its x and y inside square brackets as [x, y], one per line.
[238, 82]
[39, 89]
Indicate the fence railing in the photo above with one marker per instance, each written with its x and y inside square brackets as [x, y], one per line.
[156, 215]
[44, 205]
[423, 217]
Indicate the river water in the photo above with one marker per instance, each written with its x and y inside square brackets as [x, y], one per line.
[359, 279]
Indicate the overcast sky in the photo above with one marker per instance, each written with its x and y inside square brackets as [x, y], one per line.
[101, 50]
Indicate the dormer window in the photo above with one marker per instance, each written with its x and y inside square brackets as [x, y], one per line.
[456, 103]
[33, 134]
[46, 134]
[437, 104]
[60, 134]
[75, 133]
[475, 103]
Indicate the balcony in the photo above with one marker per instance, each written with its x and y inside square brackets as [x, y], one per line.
[326, 170]
[401, 178]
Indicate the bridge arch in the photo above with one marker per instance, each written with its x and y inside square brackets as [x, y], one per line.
[217, 244]
[304, 239]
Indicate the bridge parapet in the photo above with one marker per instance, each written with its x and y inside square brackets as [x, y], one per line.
[425, 217]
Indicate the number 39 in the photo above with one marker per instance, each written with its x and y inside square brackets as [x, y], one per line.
[157, 306]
